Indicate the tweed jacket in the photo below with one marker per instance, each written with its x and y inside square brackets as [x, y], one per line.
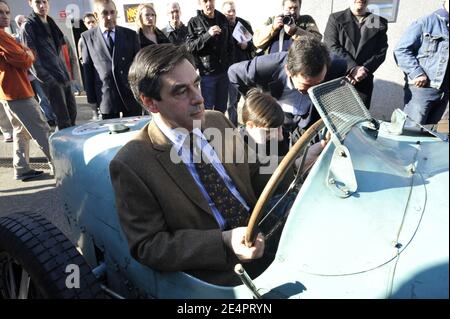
[167, 221]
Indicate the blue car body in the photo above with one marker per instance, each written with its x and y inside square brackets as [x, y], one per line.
[389, 239]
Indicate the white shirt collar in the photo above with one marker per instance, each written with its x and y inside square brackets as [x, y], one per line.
[176, 135]
[103, 30]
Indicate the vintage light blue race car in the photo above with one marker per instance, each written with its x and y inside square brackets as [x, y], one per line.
[369, 220]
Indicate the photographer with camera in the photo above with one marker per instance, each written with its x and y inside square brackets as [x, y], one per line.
[278, 32]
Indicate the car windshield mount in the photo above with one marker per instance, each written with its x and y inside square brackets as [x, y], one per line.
[341, 108]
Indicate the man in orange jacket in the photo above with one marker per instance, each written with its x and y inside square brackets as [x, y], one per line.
[17, 97]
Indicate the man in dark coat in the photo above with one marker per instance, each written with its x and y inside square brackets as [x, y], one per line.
[360, 37]
[243, 50]
[210, 41]
[43, 36]
[109, 49]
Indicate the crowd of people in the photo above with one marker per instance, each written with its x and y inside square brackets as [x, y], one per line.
[199, 72]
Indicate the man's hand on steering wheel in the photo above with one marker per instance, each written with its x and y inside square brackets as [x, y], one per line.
[235, 239]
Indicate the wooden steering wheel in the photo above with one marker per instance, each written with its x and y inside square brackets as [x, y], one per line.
[277, 177]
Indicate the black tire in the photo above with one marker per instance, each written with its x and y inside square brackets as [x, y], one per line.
[30, 243]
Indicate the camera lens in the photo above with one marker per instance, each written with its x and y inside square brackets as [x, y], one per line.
[287, 20]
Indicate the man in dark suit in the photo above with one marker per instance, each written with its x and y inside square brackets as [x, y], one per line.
[109, 49]
[360, 37]
[171, 215]
[287, 76]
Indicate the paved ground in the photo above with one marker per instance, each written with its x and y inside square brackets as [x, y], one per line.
[39, 194]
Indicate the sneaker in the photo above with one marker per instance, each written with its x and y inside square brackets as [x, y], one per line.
[7, 137]
[28, 175]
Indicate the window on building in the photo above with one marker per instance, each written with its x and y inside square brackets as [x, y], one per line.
[386, 8]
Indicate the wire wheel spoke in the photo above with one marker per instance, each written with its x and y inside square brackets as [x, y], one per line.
[15, 281]
[11, 280]
[24, 285]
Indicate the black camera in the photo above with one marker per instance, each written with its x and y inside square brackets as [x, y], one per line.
[288, 19]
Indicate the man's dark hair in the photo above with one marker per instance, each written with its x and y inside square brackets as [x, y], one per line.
[262, 109]
[307, 56]
[88, 15]
[150, 64]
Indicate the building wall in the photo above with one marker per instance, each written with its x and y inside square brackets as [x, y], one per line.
[388, 93]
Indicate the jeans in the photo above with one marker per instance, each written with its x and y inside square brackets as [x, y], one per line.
[215, 91]
[425, 105]
[43, 101]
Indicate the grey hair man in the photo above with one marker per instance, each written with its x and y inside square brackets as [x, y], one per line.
[175, 30]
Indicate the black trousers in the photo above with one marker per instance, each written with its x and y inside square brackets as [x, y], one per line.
[365, 90]
[63, 103]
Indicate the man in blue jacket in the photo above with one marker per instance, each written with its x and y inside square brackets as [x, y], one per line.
[422, 53]
[287, 76]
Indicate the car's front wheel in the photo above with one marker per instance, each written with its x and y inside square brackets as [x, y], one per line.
[38, 261]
